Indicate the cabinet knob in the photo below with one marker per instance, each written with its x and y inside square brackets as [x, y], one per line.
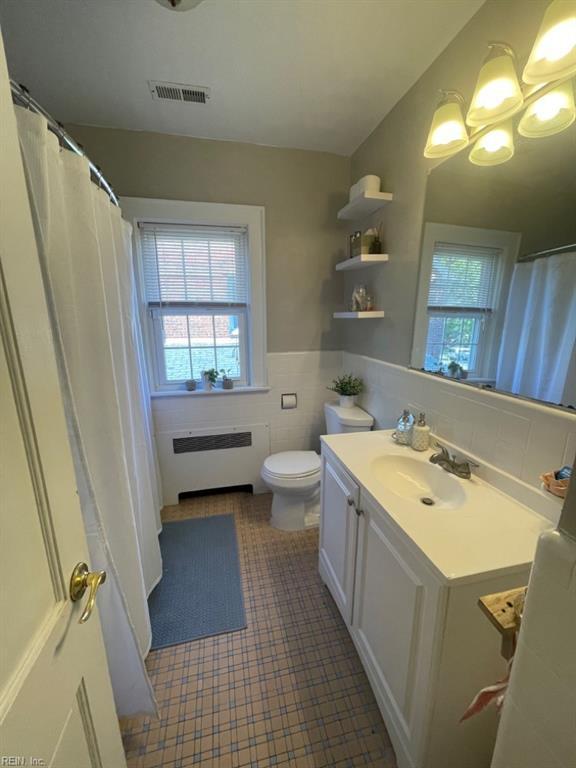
[359, 511]
[350, 501]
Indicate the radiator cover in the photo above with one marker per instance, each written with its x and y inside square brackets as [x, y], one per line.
[213, 457]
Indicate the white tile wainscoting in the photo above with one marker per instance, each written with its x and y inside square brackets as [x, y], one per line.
[308, 374]
[520, 437]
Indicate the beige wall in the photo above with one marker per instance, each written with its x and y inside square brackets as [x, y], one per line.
[394, 152]
[301, 191]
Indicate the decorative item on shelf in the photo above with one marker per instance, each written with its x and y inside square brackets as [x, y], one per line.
[369, 183]
[190, 385]
[369, 303]
[363, 243]
[420, 440]
[403, 432]
[209, 378]
[355, 244]
[557, 482]
[348, 387]
[376, 244]
[548, 98]
[359, 299]
[227, 380]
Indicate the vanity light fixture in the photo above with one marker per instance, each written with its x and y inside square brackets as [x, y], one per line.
[550, 114]
[497, 95]
[495, 147]
[554, 53]
[547, 99]
[447, 133]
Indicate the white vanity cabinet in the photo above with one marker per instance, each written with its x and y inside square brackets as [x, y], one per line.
[424, 644]
[341, 496]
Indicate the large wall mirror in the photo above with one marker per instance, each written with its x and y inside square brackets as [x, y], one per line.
[496, 303]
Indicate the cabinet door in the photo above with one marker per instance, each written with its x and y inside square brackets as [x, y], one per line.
[388, 606]
[338, 534]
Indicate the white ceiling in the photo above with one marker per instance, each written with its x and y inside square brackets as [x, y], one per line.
[314, 74]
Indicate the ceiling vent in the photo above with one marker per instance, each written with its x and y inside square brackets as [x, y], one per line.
[190, 94]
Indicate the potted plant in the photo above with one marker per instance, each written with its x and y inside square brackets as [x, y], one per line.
[209, 377]
[348, 387]
[190, 384]
[227, 380]
[455, 369]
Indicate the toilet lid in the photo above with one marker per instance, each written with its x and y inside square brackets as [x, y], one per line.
[293, 463]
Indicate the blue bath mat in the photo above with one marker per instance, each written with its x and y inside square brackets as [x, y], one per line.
[200, 593]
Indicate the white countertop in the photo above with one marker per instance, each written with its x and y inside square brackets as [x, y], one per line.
[489, 533]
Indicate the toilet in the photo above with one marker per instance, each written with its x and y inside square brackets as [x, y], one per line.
[294, 476]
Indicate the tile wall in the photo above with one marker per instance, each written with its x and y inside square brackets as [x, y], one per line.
[520, 437]
[305, 373]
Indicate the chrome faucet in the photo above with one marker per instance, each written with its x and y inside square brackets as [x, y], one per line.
[462, 469]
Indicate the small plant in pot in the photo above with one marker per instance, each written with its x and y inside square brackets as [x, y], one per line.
[348, 387]
[227, 380]
[190, 384]
[209, 377]
[456, 371]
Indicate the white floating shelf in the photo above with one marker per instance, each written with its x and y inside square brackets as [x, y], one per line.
[364, 260]
[375, 313]
[363, 205]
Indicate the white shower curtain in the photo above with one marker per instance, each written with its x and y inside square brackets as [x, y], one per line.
[87, 267]
[539, 337]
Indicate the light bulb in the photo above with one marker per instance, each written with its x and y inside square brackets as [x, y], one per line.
[497, 95]
[494, 93]
[550, 105]
[447, 134]
[495, 147]
[554, 52]
[550, 114]
[557, 42]
[493, 141]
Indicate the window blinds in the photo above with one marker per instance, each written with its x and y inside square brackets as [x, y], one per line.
[193, 265]
[463, 277]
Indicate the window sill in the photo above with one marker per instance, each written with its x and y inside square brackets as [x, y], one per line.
[210, 393]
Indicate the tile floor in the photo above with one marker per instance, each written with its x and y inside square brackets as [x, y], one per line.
[288, 690]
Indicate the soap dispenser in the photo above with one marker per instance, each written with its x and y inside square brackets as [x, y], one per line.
[421, 434]
[403, 431]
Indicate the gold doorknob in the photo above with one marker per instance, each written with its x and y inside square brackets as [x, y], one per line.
[83, 579]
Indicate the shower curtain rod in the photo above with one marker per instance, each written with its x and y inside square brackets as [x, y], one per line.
[21, 95]
[550, 252]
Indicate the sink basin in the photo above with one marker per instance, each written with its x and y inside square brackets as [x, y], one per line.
[419, 481]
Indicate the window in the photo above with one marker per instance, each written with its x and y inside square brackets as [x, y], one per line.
[196, 287]
[462, 298]
[201, 280]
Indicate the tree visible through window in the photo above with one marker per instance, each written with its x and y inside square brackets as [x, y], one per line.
[461, 300]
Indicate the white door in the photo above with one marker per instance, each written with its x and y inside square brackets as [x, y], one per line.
[56, 705]
[338, 534]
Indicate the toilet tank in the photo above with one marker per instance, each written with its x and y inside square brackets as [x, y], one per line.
[340, 419]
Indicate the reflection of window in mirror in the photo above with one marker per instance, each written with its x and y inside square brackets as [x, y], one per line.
[464, 282]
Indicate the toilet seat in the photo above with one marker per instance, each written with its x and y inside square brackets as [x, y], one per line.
[294, 479]
[292, 464]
